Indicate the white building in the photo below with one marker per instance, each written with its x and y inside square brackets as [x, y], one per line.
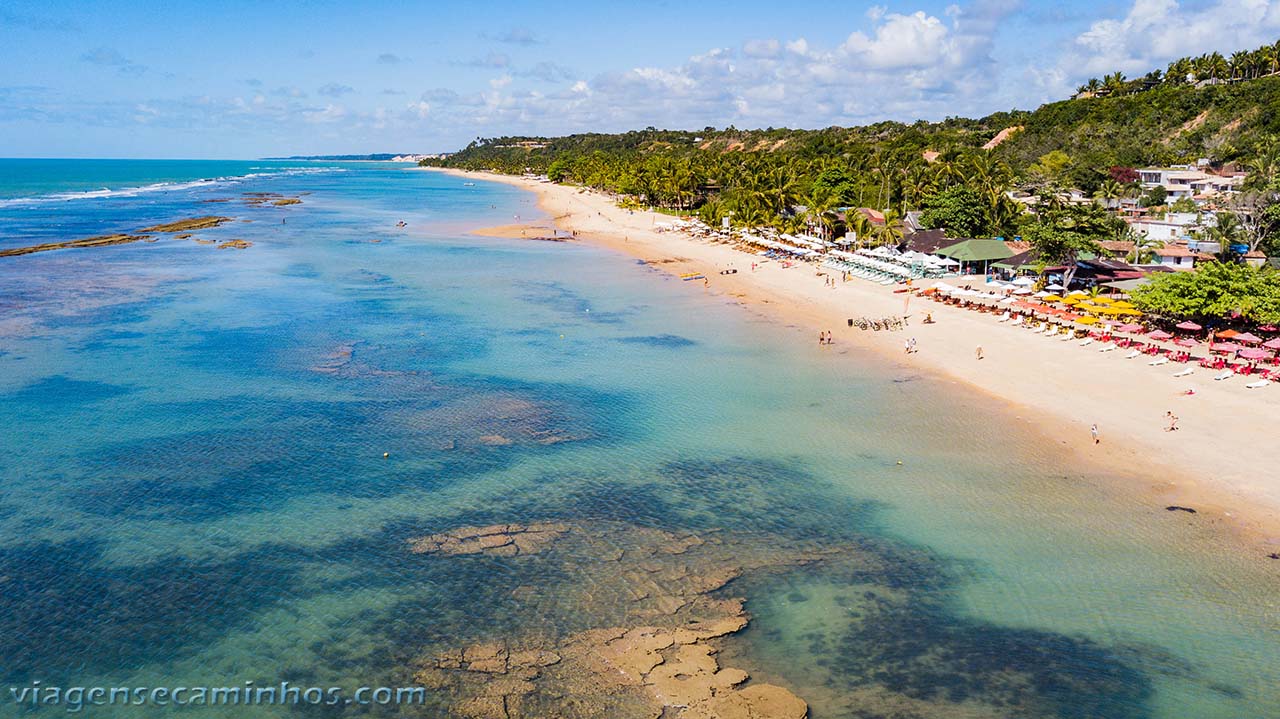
[1187, 181]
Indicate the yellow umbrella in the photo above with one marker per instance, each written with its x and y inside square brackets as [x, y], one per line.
[1086, 307]
[1122, 303]
[1110, 310]
[1051, 298]
[1102, 300]
[1071, 300]
[1088, 320]
[1130, 312]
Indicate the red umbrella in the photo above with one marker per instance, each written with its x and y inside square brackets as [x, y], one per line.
[1133, 329]
[1248, 338]
[1226, 347]
[1267, 328]
[1228, 334]
[1251, 353]
[1159, 335]
[1187, 343]
[1189, 326]
[1272, 344]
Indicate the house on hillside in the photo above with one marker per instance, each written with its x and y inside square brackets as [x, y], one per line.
[1188, 181]
[1180, 257]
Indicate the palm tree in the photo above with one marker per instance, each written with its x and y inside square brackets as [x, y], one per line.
[1227, 231]
[863, 230]
[1109, 191]
[890, 233]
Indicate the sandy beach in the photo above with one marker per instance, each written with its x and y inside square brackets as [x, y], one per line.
[1220, 461]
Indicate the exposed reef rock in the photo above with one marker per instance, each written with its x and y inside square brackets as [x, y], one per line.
[658, 661]
[195, 223]
[506, 540]
[235, 245]
[100, 241]
[261, 199]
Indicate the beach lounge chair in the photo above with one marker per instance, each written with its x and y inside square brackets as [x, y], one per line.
[1133, 354]
[1159, 361]
[1225, 375]
[1087, 341]
[1184, 372]
[1107, 348]
[1259, 384]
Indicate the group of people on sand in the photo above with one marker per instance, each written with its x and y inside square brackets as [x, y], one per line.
[824, 338]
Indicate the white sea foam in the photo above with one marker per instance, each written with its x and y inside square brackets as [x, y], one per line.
[163, 186]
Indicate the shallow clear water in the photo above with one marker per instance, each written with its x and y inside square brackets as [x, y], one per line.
[194, 489]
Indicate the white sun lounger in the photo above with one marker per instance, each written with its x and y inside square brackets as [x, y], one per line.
[1185, 372]
[1225, 375]
[1259, 384]
[1133, 354]
[1107, 348]
[1087, 341]
[1159, 361]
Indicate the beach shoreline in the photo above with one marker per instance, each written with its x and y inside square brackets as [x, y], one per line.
[1218, 462]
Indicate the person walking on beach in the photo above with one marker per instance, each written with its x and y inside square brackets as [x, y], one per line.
[1173, 421]
[913, 345]
[1093, 430]
[978, 352]
[906, 346]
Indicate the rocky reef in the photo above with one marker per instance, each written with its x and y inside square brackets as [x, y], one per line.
[194, 223]
[657, 658]
[100, 241]
[184, 227]
[505, 540]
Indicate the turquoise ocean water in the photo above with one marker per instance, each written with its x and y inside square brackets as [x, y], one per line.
[193, 489]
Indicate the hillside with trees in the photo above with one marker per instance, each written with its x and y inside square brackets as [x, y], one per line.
[958, 173]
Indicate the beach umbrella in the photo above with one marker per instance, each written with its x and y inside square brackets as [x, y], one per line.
[1228, 334]
[1272, 344]
[1267, 328]
[1252, 353]
[1055, 287]
[1071, 300]
[1189, 326]
[1102, 300]
[1024, 282]
[1087, 320]
[1051, 298]
[1122, 303]
[1248, 339]
[1160, 335]
[1129, 312]
[1184, 342]
[1226, 347]
[1131, 328]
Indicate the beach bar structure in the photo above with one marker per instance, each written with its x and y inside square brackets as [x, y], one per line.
[971, 252]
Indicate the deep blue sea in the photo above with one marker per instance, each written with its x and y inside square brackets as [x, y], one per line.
[213, 462]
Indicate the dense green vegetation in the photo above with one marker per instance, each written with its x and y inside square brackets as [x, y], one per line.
[1211, 67]
[1214, 290]
[794, 179]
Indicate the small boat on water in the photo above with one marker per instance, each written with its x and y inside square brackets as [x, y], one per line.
[468, 184]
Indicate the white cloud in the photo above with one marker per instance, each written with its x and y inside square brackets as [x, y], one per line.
[1155, 32]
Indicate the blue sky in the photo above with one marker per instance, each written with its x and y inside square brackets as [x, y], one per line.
[248, 79]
